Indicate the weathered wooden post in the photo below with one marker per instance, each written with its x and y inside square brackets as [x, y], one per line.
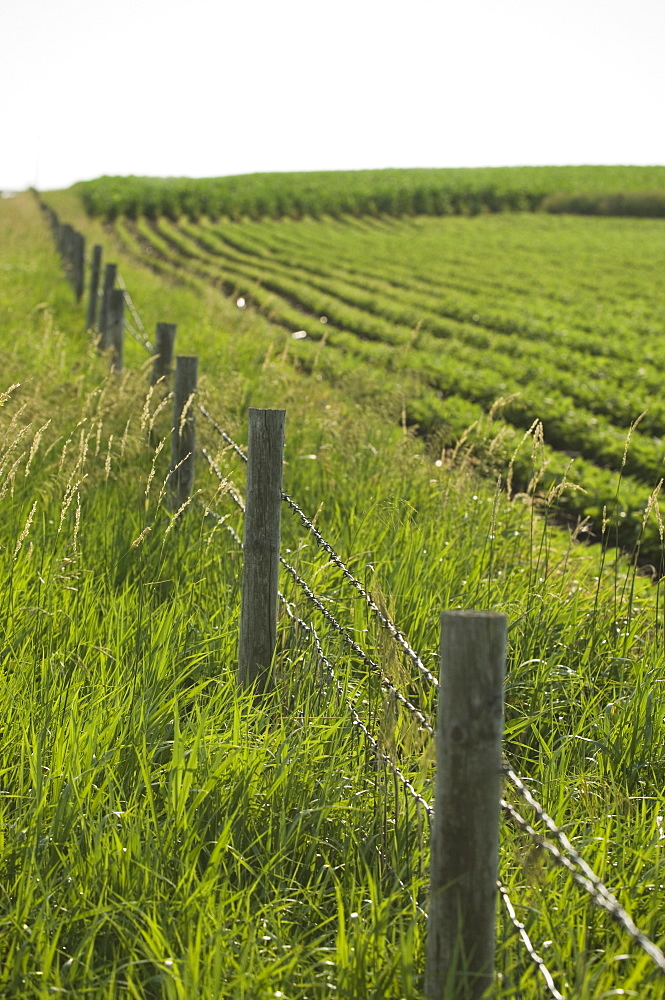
[116, 327]
[95, 269]
[79, 265]
[110, 272]
[64, 236]
[69, 254]
[164, 340]
[258, 615]
[183, 438]
[465, 828]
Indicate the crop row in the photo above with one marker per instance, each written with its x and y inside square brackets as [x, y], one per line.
[567, 422]
[541, 300]
[373, 192]
[453, 322]
[445, 394]
[571, 408]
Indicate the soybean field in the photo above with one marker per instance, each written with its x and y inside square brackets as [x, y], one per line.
[526, 330]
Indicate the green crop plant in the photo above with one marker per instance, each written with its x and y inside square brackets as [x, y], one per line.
[610, 190]
[408, 298]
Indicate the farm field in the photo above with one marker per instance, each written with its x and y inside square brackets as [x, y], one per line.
[165, 836]
[551, 323]
[612, 190]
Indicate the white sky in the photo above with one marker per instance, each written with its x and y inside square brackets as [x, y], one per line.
[204, 88]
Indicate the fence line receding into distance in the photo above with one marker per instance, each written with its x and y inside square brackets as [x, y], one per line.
[475, 951]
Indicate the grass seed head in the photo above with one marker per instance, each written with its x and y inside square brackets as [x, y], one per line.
[107, 463]
[35, 445]
[652, 504]
[631, 430]
[158, 409]
[24, 534]
[11, 477]
[137, 541]
[179, 512]
[145, 412]
[4, 396]
[185, 412]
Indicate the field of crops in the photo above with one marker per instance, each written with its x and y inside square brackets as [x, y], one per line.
[558, 318]
[585, 189]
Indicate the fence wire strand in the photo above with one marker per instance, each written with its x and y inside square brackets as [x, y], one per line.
[598, 892]
[421, 719]
[415, 712]
[134, 332]
[229, 487]
[357, 721]
[221, 520]
[222, 433]
[526, 940]
[612, 903]
[402, 885]
[143, 336]
[385, 622]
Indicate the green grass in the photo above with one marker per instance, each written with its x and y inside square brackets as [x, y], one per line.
[163, 835]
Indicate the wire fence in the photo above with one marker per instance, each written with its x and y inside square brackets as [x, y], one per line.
[526, 941]
[139, 333]
[580, 871]
[562, 852]
[566, 856]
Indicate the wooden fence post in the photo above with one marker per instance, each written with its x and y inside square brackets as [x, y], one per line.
[164, 339]
[183, 438]
[96, 266]
[64, 241]
[79, 265]
[110, 272]
[465, 828]
[258, 615]
[116, 327]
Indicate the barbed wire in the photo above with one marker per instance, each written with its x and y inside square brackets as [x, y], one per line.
[415, 712]
[526, 940]
[568, 857]
[143, 336]
[230, 488]
[598, 892]
[222, 433]
[577, 858]
[221, 519]
[357, 721]
[402, 885]
[135, 334]
[385, 622]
